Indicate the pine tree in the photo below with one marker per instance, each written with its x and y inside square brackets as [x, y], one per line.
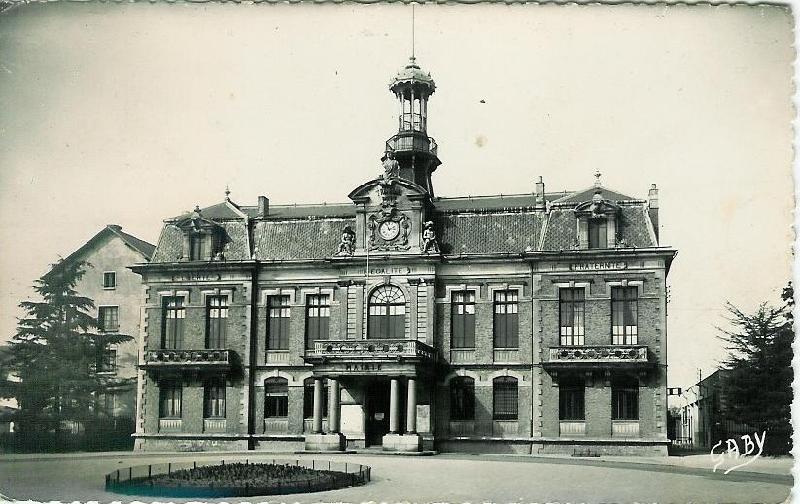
[758, 380]
[54, 355]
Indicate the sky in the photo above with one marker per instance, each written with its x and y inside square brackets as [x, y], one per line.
[130, 113]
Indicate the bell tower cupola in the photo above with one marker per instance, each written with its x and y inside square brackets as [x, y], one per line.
[412, 148]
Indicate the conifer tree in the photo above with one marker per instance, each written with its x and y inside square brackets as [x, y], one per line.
[758, 381]
[54, 354]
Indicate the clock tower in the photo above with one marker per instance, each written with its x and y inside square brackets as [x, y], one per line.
[392, 209]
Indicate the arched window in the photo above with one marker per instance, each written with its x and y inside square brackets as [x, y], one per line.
[505, 398]
[462, 398]
[276, 398]
[387, 313]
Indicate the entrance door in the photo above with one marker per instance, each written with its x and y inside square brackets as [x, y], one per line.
[377, 406]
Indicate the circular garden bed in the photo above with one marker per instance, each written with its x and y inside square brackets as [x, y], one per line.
[236, 479]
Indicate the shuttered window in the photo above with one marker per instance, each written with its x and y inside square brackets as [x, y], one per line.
[173, 315]
[624, 315]
[318, 316]
[463, 320]
[216, 321]
[571, 316]
[278, 322]
[506, 319]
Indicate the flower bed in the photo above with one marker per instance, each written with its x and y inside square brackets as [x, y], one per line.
[237, 479]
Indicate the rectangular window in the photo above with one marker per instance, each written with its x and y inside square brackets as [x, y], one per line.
[571, 400]
[216, 321]
[598, 233]
[170, 400]
[625, 400]
[107, 360]
[505, 398]
[198, 245]
[318, 316]
[506, 319]
[276, 399]
[462, 398]
[109, 280]
[571, 315]
[624, 315]
[106, 403]
[214, 399]
[173, 315]
[108, 318]
[463, 320]
[278, 323]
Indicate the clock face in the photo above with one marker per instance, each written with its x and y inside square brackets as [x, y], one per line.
[389, 230]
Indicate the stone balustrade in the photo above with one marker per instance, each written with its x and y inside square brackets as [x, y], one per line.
[373, 348]
[188, 359]
[599, 354]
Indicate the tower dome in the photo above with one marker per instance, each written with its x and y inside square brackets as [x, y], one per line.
[411, 146]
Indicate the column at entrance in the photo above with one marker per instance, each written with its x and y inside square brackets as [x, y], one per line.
[394, 406]
[318, 390]
[410, 441]
[333, 440]
[411, 407]
[333, 405]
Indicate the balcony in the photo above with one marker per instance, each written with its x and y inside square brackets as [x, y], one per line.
[371, 350]
[196, 360]
[599, 356]
[409, 141]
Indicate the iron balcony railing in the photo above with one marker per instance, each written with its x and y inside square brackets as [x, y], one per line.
[188, 359]
[412, 141]
[372, 349]
[599, 354]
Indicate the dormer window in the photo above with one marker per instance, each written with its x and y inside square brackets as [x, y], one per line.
[202, 238]
[598, 233]
[198, 246]
[597, 223]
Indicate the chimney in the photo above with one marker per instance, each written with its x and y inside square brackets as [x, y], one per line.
[540, 203]
[652, 204]
[263, 206]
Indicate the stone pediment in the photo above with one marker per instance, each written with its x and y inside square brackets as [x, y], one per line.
[377, 191]
[195, 222]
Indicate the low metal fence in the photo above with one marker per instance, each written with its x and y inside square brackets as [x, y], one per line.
[329, 475]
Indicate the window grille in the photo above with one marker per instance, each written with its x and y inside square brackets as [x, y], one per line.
[505, 398]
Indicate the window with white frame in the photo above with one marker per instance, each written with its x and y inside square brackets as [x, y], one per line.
[624, 315]
[318, 316]
[108, 318]
[109, 280]
[506, 319]
[214, 399]
[170, 400]
[571, 302]
[462, 327]
[172, 317]
[216, 321]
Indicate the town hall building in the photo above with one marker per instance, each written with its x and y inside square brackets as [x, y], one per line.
[403, 321]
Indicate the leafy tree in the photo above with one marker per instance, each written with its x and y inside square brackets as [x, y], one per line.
[758, 378]
[54, 354]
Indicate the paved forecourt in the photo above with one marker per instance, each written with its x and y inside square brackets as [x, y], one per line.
[451, 478]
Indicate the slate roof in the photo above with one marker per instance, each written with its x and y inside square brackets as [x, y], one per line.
[467, 233]
[559, 233]
[170, 245]
[298, 238]
[465, 225]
